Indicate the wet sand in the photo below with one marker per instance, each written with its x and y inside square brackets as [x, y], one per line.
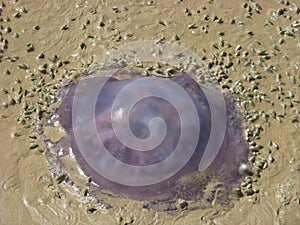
[79, 32]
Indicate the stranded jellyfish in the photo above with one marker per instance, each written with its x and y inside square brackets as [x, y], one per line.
[145, 137]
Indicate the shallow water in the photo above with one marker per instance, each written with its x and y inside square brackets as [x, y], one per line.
[28, 193]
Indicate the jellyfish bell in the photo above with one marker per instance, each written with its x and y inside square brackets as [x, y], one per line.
[147, 137]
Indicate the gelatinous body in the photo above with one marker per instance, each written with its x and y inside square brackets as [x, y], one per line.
[187, 182]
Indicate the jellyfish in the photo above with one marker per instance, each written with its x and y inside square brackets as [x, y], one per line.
[146, 137]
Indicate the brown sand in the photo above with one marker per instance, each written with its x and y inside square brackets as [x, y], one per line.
[27, 197]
